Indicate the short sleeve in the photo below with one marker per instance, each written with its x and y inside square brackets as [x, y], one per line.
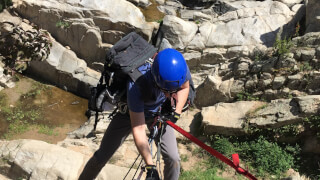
[134, 97]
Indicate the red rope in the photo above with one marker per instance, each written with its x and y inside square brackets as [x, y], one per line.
[235, 157]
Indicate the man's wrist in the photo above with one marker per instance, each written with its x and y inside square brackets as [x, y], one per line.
[150, 167]
[176, 115]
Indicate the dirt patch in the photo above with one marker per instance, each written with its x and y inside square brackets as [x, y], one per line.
[42, 108]
[188, 160]
[22, 87]
[59, 134]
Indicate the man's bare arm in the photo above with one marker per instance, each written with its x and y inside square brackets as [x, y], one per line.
[139, 135]
[182, 96]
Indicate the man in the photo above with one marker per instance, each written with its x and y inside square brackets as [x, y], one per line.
[168, 75]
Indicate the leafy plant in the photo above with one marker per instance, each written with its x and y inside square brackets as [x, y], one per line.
[20, 118]
[223, 145]
[246, 96]
[37, 89]
[267, 157]
[184, 158]
[314, 123]
[282, 47]
[305, 66]
[159, 21]
[290, 130]
[259, 55]
[44, 129]
[263, 156]
[63, 24]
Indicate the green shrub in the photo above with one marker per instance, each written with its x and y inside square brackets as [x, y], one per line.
[282, 47]
[263, 157]
[4, 4]
[224, 146]
[267, 157]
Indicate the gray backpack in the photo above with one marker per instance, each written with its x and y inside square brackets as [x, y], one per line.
[122, 62]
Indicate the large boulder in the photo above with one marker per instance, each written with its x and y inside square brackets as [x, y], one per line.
[245, 23]
[177, 31]
[213, 90]
[39, 160]
[64, 69]
[232, 118]
[227, 118]
[311, 39]
[260, 27]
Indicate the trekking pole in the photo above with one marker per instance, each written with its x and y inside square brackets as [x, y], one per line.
[213, 152]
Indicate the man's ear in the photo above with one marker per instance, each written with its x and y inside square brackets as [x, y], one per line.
[185, 85]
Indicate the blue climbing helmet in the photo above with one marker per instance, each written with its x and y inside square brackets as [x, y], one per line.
[169, 70]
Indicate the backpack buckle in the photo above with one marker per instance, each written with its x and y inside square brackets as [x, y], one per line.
[110, 79]
[122, 107]
[150, 60]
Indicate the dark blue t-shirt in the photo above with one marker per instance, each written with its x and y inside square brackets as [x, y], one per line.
[137, 103]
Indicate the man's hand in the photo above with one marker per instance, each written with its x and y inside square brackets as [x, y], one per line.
[174, 117]
[152, 173]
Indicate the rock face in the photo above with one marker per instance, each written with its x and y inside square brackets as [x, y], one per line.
[227, 45]
[5, 80]
[66, 70]
[39, 160]
[245, 23]
[217, 119]
[62, 67]
[88, 27]
[277, 113]
[178, 32]
[313, 16]
[226, 78]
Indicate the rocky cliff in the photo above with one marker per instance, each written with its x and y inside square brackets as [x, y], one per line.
[255, 65]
